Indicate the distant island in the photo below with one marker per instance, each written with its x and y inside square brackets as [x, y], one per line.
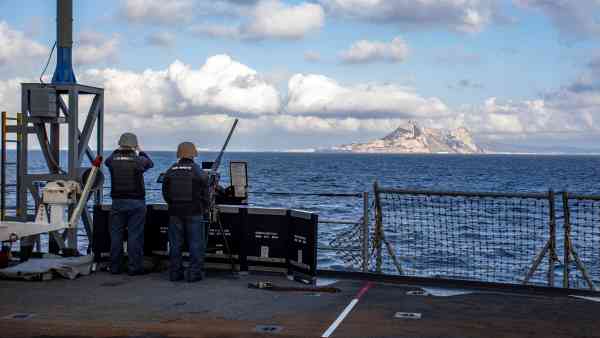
[413, 139]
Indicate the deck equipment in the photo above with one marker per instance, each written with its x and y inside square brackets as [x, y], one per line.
[57, 197]
[45, 109]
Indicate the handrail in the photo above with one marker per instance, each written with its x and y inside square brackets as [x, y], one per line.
[340, 221]
[582, 197]
[464, 193]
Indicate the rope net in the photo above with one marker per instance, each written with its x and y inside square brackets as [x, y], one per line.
[585, 241]
[467, 237]
[348, 241]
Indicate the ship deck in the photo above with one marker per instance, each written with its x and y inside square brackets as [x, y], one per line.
[221, 306]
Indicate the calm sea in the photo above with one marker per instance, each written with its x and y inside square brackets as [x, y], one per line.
[352, 173]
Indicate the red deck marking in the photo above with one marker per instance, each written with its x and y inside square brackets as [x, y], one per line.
[347, 310]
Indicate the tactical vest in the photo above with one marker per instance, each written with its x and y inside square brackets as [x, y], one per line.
[181, 187]
[127, 180]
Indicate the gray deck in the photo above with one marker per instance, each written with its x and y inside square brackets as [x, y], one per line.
[151, 306]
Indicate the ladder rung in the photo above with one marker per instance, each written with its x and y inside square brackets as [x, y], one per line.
[12, 118]
[11, 141]
[10, 185]
[10, 163]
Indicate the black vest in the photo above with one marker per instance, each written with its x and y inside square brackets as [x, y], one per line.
[187, 190]
[127, 178]
[181, 182]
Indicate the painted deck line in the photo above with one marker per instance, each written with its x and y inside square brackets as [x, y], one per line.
[347, 310]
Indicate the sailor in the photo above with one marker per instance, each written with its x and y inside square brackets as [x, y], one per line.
[185, 189]
[127, 165]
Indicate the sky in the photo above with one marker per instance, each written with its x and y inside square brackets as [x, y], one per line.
[306, 74]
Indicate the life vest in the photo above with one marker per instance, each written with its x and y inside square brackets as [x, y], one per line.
[127, 178]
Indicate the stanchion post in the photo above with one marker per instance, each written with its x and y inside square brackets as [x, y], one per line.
[365, 233]
[3, 170]
[552, 248]
[378, 229]
[567, 240]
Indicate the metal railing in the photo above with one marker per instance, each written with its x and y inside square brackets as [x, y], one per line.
[491, 237]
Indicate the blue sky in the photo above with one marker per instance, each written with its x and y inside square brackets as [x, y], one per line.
[520, 52]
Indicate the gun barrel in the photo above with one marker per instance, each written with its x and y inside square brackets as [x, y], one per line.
[217, 162]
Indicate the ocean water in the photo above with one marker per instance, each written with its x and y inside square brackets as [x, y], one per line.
[307, 173]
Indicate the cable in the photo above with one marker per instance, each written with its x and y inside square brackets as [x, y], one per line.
[47, 62]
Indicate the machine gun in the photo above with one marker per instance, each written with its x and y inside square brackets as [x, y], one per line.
[213, 183]
[213, 175]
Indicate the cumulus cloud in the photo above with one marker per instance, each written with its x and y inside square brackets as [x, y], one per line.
[570, 109]
[246, 19]
[468, 16]
[573, 19]
[16, 46]
[365, 51]
[221, 86]
[270, 19]
[161, 39]
[319, 95]
[10, 95]
[94, 47]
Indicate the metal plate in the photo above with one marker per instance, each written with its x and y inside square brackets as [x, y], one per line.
[268, 328]
[407, 315]
[19, 316]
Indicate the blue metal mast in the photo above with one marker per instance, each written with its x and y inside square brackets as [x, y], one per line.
[63, 74]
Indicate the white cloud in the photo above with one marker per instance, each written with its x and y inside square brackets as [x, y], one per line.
[221, 85]
[274, 19]
[469, 16]
[10, 95]
[158, 11]
[93, 48]
[365, 51]
[246, 19]
[269, 19]
[15, 46]
[574, 19]
[161, 39]
[319, 95]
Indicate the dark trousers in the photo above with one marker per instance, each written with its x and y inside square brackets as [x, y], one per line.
[192, 228]
[130, 214]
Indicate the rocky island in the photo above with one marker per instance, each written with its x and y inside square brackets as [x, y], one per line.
[414, 139]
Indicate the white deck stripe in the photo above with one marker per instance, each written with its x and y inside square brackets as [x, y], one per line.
[347, 310]
[340, 318]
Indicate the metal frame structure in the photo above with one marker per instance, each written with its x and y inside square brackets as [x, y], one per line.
[77, 146]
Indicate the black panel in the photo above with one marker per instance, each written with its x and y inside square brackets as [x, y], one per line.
[156, 231]
[101, 225]
[232, 220]
[302, 245]
[265, 240]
